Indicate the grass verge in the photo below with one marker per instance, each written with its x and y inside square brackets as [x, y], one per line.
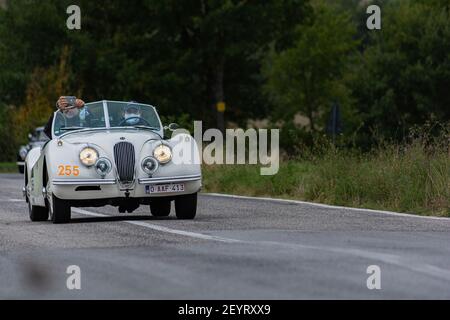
[8, 167]
[409, 179]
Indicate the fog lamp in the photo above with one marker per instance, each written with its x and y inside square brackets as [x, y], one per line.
[103, 166]
[150, 165]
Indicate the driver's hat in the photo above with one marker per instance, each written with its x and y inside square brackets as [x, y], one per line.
[132, 107]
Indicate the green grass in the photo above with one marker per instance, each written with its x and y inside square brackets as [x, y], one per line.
[409, 179]
[8, 167]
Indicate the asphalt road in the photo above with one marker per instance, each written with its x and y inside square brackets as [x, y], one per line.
[234, 249]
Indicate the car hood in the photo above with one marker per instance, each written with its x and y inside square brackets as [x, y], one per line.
[110, 137]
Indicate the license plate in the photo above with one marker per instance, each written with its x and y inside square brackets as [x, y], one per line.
[163, 188]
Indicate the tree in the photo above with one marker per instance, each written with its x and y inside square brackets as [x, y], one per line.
[222, 40]
[7, 146]
[43, 87]
[32, 34]
[182, 57]
[404, 76]
[305, 78]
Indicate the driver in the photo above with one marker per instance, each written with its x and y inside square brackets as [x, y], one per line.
[69, 113]
[132, 115]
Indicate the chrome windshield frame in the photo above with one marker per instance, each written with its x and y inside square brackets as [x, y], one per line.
[107, 126]
[106, 113]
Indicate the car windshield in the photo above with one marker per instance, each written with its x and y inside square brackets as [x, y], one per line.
[120, 114]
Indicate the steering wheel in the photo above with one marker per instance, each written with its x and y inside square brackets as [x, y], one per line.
[125, 121]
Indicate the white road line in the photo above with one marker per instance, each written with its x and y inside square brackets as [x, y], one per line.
[13, 200]
[392, 259]
[427, 269]
[320, 205]
[161, 228]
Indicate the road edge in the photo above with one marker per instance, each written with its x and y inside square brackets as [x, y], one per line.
[328, 206]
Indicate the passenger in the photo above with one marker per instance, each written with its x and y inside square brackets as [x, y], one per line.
[62, 104]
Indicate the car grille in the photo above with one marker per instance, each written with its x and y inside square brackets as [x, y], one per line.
[125, 161]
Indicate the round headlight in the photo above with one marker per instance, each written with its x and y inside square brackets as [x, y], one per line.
[150, 165]
[88, 156]
[103, 166]
[162, 153]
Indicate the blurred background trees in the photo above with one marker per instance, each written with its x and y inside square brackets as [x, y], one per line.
[285, 62]
[403, 76]
[305, 78]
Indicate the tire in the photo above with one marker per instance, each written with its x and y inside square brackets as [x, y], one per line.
[37, 213]
[21, 169]
[59, 210]
[160, 207]
[186, 206]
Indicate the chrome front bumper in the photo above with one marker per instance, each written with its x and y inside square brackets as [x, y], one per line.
[111, 188]
[83, 182]
[99, 182]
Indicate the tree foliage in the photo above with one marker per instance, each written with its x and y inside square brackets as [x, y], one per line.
[305, 78]
[43, 87]
[264, 58]
[404, 75]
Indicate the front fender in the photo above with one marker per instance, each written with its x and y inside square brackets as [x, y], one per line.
[185, 156]
[32, 157]
[33, 176]
[62, 157]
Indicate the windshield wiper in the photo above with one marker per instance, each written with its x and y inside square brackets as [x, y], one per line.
[146, 127]
[71, 128]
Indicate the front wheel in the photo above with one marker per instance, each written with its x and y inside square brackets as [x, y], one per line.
[37, 213]
[59, 210]
[186, 206]
[160, 207]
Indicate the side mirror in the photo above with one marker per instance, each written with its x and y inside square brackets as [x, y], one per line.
[30, 136]
[172, 127]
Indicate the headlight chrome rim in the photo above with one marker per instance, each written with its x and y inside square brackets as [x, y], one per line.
[162, 153]
[146, 169]
[88, 156]
[103, 171]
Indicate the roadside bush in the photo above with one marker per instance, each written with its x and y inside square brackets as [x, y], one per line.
[411, 177]
[7, 147]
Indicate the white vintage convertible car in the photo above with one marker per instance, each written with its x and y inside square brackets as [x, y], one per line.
[111, 153]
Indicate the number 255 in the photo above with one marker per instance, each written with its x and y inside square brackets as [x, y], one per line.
[68, 170]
